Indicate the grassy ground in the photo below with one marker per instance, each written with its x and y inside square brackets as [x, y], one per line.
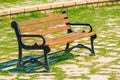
[77, 65]
[16, 3]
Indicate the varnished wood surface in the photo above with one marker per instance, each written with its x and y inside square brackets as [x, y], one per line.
[40, 26]
[68, 38]
[38, 20]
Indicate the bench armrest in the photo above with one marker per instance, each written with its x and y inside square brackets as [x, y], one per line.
[84, 24]
[34, 35]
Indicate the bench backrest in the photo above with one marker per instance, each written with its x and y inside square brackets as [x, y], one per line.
[46, 25]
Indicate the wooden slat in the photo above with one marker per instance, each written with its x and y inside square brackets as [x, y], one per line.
[34, 21]
[68, 38]
[28, 29]
[53, 30]
[50, 31]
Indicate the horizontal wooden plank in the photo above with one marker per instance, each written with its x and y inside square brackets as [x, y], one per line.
[49, 24]
[53, 30]
[38, 20]
[50, 31]
[68, 38]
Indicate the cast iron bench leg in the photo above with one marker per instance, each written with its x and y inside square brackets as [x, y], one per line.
[46, 61]
[67, 47]
[19, 64]
[92, 45]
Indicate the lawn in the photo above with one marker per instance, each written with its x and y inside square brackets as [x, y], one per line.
[74, 66]
[16, 3]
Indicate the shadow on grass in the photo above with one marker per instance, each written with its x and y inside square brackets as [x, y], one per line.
[10, 66]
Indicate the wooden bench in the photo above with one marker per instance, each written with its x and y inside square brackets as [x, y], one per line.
[42, 27]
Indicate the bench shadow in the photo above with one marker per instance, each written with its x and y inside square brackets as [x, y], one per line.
[10, 66]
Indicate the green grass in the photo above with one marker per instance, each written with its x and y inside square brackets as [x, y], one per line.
[4, 4]
[59, 73]
[13, 3]
[17, 1]
[97, 17]
[9, 1]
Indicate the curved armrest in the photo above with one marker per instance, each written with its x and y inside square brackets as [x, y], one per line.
[34, 35]
[84, 24]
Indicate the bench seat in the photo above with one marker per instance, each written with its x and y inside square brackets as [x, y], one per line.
[68, 38]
